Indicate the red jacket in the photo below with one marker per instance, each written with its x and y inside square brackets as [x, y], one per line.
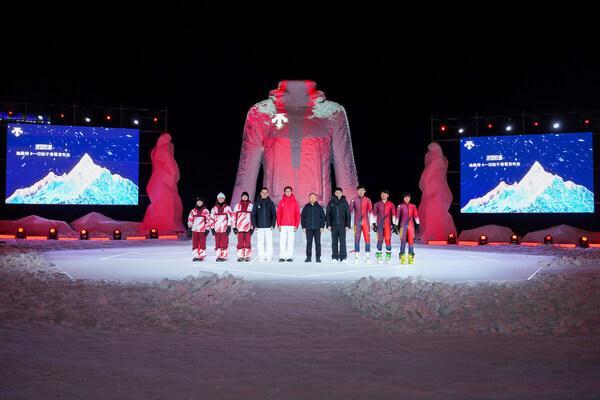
[288, 212]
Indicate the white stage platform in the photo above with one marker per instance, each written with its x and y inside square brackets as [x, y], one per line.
[173, 261]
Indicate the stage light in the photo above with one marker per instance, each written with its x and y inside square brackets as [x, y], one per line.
[153, 233]
[443, 128]
[490, 125]
[52, 234]
[556, 125]
[40, 118]
[136, 121]
[536, 123]
[584, 242]
[117, 234]
[87, 119]
[483, 240]
[508, 128]
[548, 239]
[10, 113]
[587, 122]
[20, 233]
[514, 239]
[62, 115]
[108, 117]
[451, 238]
[461, 130]
[155, 119]
[84, 234]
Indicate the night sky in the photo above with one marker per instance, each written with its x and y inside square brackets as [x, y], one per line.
[389, 66]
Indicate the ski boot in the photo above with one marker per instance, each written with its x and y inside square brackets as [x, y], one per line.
[368, 258]
[240, 259]
[196, 259]
[378, 257]
[388, 257]
[356, 258]
[411, 258]
[402, 258]
[247, 259]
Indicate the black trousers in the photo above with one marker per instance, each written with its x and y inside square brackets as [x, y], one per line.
[313, 234]
[338, 242]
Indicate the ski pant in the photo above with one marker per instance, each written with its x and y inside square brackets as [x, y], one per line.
[338, 242]
[199, 244]
[286, 242]
[313, 234]
[365, 229]
[407, 233]
[384, 231]
[244, 244]
[222, 244]
[264, 242]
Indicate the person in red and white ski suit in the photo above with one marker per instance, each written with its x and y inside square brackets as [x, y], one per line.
[200, 222]
[222, 217]
[242, 227]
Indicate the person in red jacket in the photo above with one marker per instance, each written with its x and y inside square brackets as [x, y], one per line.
[200, 222]
[407, 220]
[288, 219]
[222, 218]
[362, 207]
[383, 224]
[242, 227]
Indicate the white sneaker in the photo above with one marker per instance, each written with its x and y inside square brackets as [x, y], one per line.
[368, 258]
[356, 258]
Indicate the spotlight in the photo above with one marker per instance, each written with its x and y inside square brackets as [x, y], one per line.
[10, 113]
[62, 115]
[108, 117]
[536, 123]
[84, 234]
[116, 234]
[483, 240]
[556, 125]
[461, 130]
[87, 119]
[508, 128]
[584, 242]
[587, 122]
[451, 238]
[490, 125]
[153, 233]
[514, 239]
[40, 118]
[548, 239]
[155, 119]
[443, 128]
[52, 234]
[136, 121]
[20, 233]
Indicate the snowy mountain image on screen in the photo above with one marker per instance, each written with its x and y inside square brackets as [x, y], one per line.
[537, 192]
[86, 183]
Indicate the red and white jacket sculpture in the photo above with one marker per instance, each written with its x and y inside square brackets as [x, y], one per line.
[296, 134]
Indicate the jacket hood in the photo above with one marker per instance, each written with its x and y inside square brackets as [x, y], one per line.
[296, 94]
[291, 199]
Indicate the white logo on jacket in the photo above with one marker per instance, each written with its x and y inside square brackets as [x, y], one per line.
[279, 119]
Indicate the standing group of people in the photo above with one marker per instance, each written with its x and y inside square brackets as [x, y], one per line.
[263, 217]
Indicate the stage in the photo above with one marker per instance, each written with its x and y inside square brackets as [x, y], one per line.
[173, 261]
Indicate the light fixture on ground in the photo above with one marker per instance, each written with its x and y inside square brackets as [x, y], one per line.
[548, 239]
[451, 238]
[461, 130]
[556, 125]
[508, 128]
[153, 233]
[514, 239]
[52, 234]
[20, 233]
[483, 240]
[584, 242]
[87, 119]
[84, 234]
[117, 234]
[136, 122]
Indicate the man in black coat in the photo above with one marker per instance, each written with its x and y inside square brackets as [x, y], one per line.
[313, 223]
[338, 220]
[263, 221]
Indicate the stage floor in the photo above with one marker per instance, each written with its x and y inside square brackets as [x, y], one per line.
[173, 261]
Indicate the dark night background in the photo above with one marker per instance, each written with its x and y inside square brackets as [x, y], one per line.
[391, 67]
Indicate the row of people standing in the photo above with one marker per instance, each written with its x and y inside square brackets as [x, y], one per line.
[263, 216]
